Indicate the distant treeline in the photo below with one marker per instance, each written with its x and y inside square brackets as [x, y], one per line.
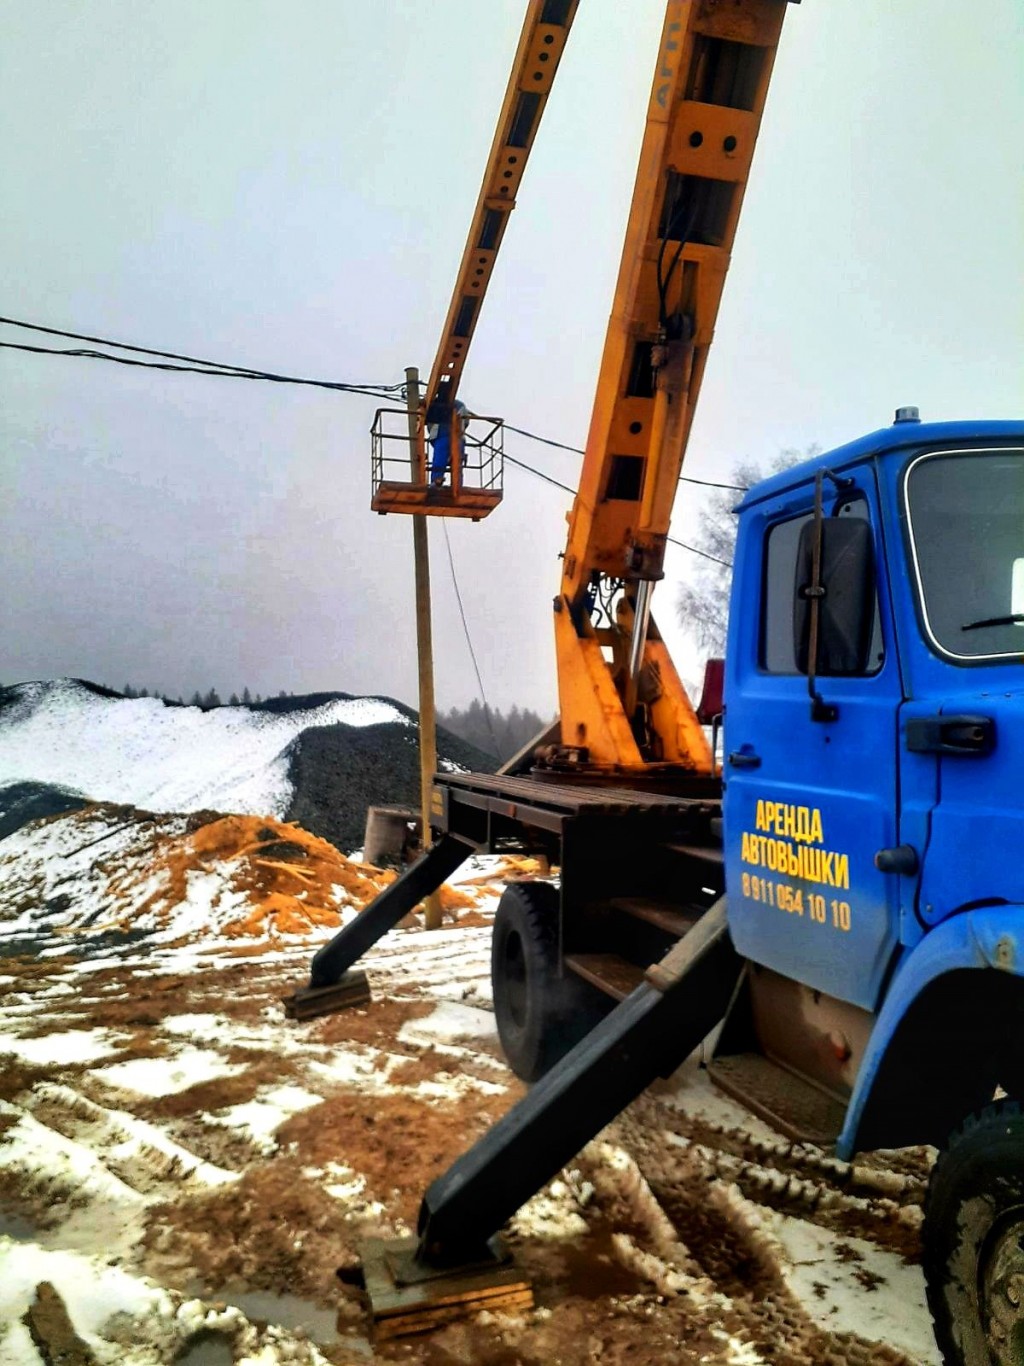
[207, 700]
[493, 731]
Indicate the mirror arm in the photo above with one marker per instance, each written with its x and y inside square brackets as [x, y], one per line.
[820, 709]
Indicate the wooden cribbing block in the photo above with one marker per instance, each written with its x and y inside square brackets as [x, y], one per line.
[400, 1307]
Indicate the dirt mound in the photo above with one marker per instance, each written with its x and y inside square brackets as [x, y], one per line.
[172, 879]
[321, 759]
[336, 772]
[21, 803]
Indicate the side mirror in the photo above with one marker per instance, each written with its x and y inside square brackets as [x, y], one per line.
[846, 597]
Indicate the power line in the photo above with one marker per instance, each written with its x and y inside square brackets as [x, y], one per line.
[262, 376]
[220, 367]
[532, 436]
[208, 366]
[197, 365]
[572, 493]
[199, 369]
[469, 641]
[578, 450]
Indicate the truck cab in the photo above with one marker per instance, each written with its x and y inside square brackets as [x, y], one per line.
[873, 807]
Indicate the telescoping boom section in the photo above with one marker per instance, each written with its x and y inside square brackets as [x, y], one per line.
[622, 705]
[468, 481]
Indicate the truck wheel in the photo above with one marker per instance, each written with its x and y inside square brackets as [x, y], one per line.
[540, 1015]
[974, 1241]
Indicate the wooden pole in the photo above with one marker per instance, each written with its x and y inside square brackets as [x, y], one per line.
[424, 645]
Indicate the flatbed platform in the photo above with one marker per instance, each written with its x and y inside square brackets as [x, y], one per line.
[549, 805]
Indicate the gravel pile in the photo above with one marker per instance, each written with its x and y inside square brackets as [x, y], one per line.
[320, 759]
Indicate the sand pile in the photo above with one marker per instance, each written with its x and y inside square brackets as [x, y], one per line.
[107, 873]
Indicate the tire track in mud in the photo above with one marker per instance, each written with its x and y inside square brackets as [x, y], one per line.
[863, 1198]
[136, 1153]
[694, 1214]
[85, 1174]
[707, 1243]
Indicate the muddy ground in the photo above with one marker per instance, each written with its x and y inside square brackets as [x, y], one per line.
[161, 1121]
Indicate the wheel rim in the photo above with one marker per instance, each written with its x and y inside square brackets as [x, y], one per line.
[515, 979]
[1002, 1285]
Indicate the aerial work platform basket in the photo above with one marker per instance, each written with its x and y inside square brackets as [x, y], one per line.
[470, 485]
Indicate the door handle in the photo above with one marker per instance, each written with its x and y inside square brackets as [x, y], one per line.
[951, 735]
[744, 758]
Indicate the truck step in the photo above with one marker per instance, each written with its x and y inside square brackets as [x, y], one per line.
[608, 972]
[705, 853]
[796, 1107]
[665, 915]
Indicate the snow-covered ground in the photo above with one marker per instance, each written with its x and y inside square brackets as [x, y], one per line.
[182, 1171]
[185, 1170]
[140, 752]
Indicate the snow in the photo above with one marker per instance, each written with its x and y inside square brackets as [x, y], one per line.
[142, 753]
[227, 1033]
[208, 901]
[92, 1290]
[259, 1120]
[827, 1285]
[167, 1076]
[61, 1163]
[449, 1020]
[71, 1046]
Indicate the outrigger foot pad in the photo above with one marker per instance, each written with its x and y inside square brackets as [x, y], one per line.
[353, 989]
[408, 1295]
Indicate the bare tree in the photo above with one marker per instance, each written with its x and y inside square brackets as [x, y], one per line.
[703, 602]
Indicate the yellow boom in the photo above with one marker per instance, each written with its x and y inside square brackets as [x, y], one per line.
[622, 706]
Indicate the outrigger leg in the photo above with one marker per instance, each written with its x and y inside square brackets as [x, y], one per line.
[456, 1265]
[331, 986]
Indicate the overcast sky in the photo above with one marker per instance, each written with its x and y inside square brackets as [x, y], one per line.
[287, 184]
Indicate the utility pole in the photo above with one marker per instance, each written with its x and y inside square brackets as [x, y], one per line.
[424, 641]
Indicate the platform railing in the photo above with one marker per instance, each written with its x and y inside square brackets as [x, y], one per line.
[402, 480]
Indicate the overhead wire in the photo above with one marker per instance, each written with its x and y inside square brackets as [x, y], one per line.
[260, 376]
[521, 464]
[191, 362]
[578, 450]
[225, 370]
[469, 641]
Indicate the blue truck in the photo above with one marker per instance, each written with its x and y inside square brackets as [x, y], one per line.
[841, 905]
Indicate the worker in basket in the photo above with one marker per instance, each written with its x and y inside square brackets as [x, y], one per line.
[439, 434]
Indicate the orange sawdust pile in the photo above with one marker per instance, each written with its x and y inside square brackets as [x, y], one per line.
[292, 881]
[289, 881]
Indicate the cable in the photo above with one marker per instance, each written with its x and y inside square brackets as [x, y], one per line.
[229, 373]
[211, 365]
[578, 450]
[469, 642]
[572, 493]
[197, 365]
[711, 484]
[544, 440]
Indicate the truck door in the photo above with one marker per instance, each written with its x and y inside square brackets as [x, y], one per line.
[810, 792]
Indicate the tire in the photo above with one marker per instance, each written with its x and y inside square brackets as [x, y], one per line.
[974, 1241]
[540, 1015]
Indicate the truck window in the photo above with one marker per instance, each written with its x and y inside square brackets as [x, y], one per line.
[965, 512]
[778, 648]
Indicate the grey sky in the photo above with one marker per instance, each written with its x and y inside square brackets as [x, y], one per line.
[288, 186]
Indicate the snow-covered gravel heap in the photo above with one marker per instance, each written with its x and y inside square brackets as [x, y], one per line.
[141, 752]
